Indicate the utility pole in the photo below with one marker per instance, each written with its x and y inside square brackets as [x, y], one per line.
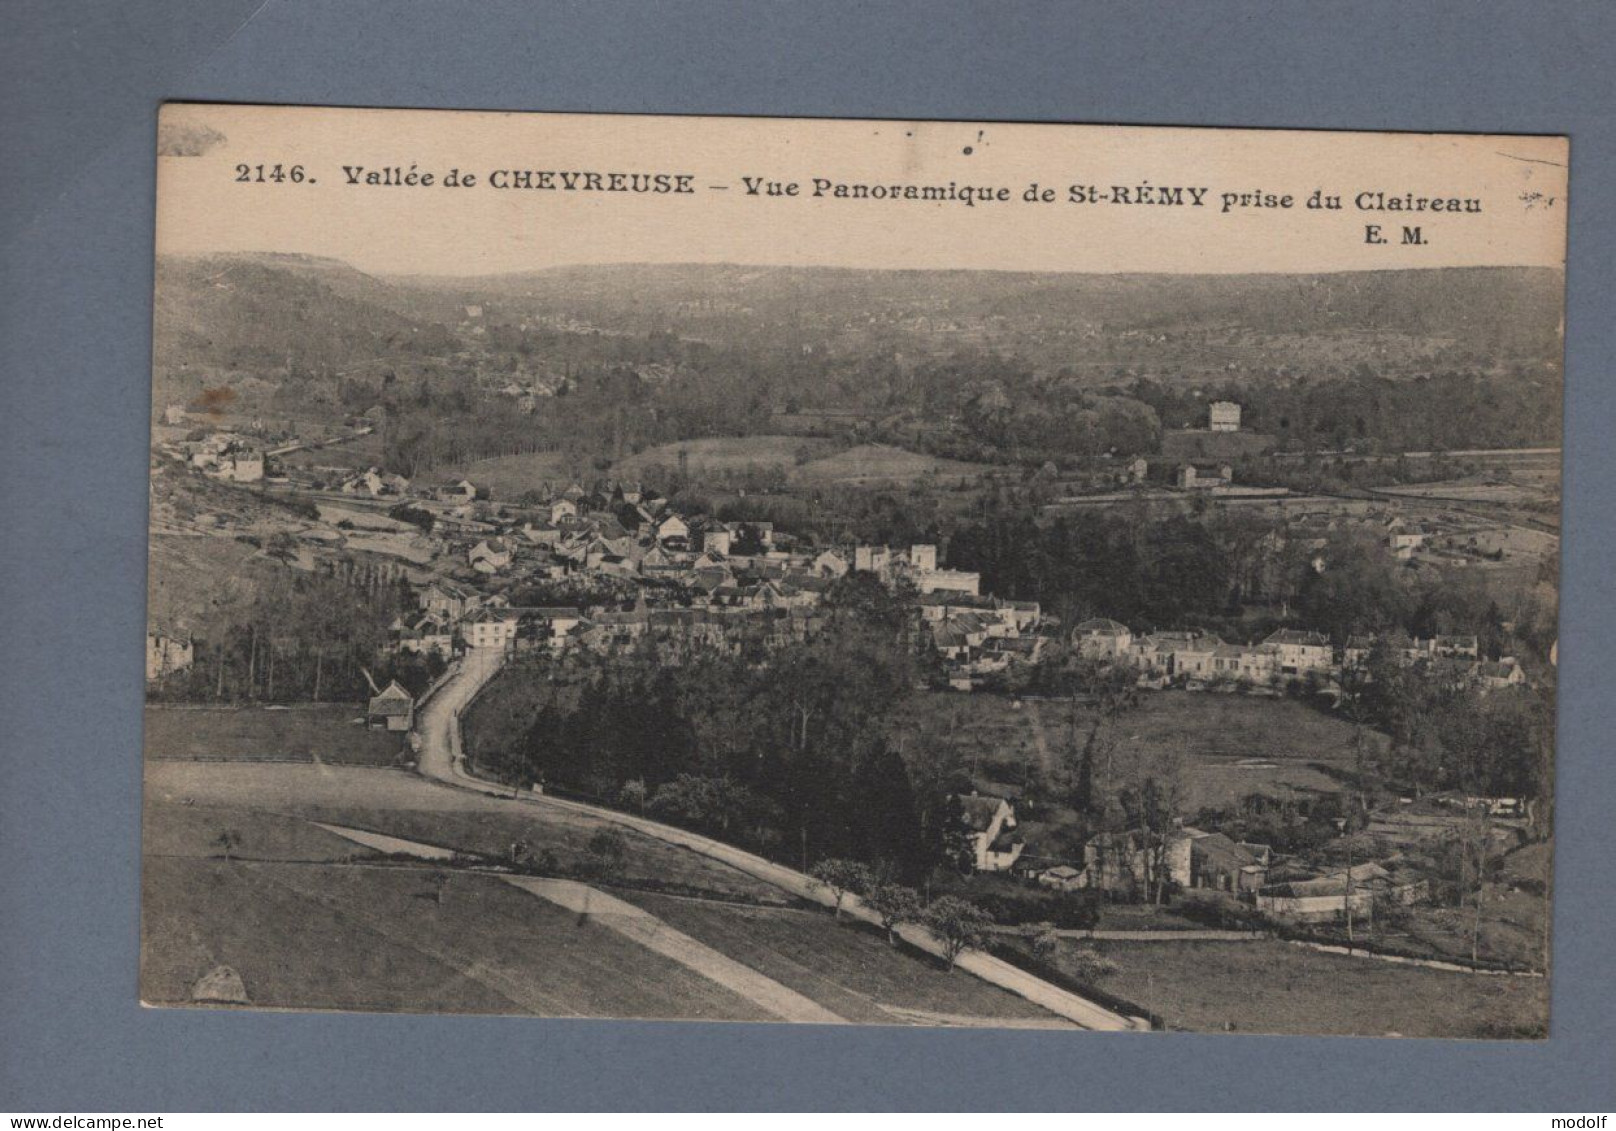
[1349, 889]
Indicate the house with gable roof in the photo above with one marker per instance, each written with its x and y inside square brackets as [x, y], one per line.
[990, 826]
[392, 708]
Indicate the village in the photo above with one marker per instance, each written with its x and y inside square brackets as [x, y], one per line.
[614, 567]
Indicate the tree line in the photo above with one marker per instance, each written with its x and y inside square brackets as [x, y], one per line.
[290, 637]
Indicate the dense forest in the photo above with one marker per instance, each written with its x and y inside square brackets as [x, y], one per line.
[790, 757]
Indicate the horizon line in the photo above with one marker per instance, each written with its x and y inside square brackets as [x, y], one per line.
[384, 275]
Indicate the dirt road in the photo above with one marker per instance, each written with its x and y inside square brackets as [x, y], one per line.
[440, 757]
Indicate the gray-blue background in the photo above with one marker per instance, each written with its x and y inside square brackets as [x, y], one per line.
[79, 88]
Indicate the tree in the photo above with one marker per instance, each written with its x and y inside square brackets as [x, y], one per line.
[1043, 939]
[282, 546]
[1474, 836]
[841, 878]
[632, 794]
[958, 924]
[608, 849]
[748, 542]
[1153, 809]
[229, 840]
[895, 904]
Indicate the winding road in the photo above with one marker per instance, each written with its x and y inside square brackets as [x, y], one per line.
[440, 757]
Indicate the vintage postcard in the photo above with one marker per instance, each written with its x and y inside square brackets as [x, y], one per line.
[869, 572]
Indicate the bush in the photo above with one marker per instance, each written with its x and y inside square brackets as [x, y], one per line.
[608, 849]
[1223, 915]
[1089, 964]
[1069, 911]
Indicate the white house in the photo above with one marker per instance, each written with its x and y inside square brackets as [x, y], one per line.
[551, 625]
[989, 822]
[830, 564]
[1301, 652]
[1223, 416]
[392, 708]
[1498, 674]
[563, 511]
[242, 466]
[1204, 476]
[1101, 639]
[448, 601]
[717, 540]
[461, 492]
[950, 581]
[490, 628]
[166, 654]
[1404, 540]
[491, 555]
[673, 531]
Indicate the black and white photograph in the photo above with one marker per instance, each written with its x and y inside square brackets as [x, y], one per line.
[939, 574]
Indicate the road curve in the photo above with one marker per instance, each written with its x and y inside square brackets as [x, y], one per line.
[439, 756]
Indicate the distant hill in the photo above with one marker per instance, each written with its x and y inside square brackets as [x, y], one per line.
[1512, 308]
[967, 365]
[258, 312]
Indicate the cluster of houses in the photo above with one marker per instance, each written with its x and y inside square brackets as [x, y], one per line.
[1134, 864]
[1198, 659]
[682, 582]
[372, 483]
[222, 455]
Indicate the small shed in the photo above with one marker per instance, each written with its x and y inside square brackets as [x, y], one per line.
[392, 708]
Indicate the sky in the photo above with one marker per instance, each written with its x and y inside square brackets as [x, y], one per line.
[204, 207]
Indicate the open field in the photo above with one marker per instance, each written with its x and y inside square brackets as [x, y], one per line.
[1271, 986]
[1518, 490]
[312, 732]
[1233, 745]
[403, 805]
[882, 463]
[1236, 745]
[508, 477]
[848, 969]
[726, 453]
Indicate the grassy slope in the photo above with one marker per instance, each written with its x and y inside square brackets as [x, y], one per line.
[403, 805]
[725, 453]
[187, 576]
[850, 971]
[882, 463]
[1275, 987]
[193, 831]
[383, 943]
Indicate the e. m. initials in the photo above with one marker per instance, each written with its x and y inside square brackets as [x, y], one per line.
[1411, 236]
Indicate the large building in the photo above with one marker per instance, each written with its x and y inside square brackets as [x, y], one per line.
[1223, 416]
